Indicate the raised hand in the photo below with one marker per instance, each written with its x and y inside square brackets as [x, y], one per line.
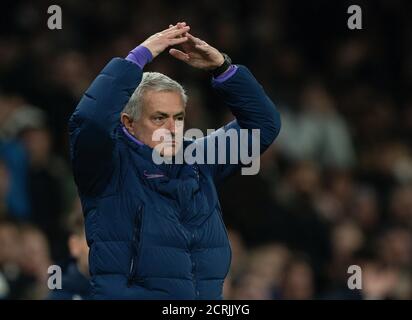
[197, 53]
[172, 36]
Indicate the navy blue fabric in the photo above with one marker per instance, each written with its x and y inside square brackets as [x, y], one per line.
[154, 231]
[14, 156]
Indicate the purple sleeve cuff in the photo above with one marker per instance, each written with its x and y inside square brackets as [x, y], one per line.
[226, 75]
[140, 56]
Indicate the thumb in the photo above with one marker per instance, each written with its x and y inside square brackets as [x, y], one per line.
[180, 55]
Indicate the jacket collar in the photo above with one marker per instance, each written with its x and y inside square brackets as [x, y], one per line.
[180, 182]
[166, 178]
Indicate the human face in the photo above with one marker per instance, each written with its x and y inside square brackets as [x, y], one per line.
[163, 111]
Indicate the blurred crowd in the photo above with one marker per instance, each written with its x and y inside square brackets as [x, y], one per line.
[334, 190]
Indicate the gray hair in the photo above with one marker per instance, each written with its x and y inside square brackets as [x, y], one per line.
[151, 81]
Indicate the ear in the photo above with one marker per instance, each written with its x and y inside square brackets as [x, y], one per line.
[127, 121]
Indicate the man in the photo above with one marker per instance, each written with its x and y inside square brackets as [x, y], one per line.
[75, 280]
[155, 231]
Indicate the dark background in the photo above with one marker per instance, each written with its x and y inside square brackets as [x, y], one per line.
[334, 190]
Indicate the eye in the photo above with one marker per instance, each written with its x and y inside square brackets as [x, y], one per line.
[180, 118]
[158, 118]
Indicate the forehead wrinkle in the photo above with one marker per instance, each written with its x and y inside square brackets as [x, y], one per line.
[161, 105]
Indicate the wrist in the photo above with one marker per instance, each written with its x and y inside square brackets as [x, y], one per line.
[221, 62]
[223, 67]
[230, 72]
[140, 55]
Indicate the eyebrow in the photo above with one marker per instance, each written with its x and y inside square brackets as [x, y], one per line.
[163, 114]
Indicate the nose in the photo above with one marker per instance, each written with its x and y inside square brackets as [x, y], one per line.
[171, 126]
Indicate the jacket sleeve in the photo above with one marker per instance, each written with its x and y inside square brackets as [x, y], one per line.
[93, 123]
[253, 109]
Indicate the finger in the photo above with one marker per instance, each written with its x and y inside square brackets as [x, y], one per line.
[173, 27]
[195, 40]
[191, 38]
[176, 26]
[203, 47]
[179, 25]
[176, 41]
[178, 32]
[179, 54]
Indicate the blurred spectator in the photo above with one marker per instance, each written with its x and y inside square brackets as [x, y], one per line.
[14, 158]
[395, 247]
[10, 288]
[365, 210]
[298, 281]
[50, 187]
[307, 230]
[268, 263]
[347, 240]
[378, 281]
[239, 204]
[251, 287]
[20, 116]
[317, 132]
[24, 260]
[40, 185]
[401, 206]
[75, 281]
[34, 261]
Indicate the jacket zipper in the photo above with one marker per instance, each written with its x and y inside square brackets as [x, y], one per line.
[227, 236]
[136, 244]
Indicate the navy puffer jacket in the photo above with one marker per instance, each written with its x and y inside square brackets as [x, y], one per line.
[154, 231]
